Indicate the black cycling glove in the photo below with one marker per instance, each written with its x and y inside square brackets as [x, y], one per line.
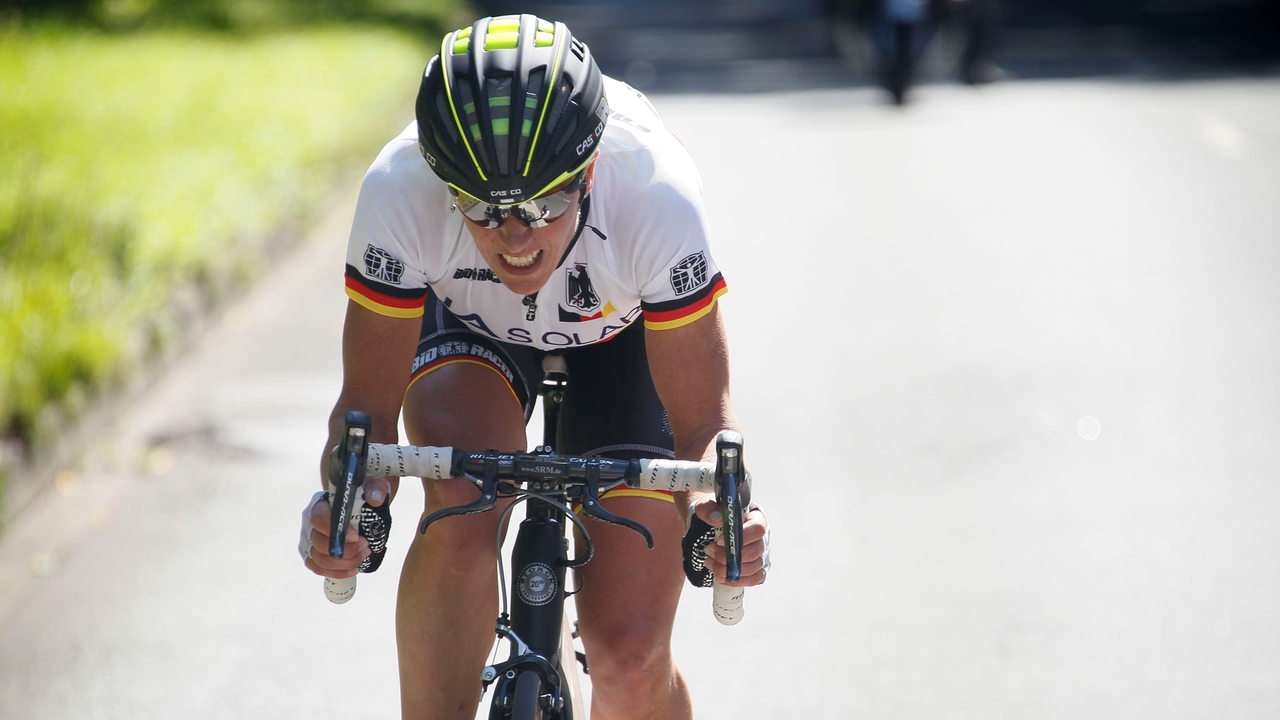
[375, 526]
[696, 539]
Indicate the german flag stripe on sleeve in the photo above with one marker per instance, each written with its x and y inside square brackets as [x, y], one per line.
[385, 299]
[675, 313]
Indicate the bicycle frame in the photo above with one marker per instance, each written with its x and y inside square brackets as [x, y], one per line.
[536, 628]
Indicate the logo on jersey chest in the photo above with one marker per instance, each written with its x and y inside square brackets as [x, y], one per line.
[581, 301]
[579, 293]
[478, 274]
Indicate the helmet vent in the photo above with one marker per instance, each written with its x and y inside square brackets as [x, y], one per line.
[498, 91]
[528, 115]
[563, 94]
[502, 33]
[449, 128]
[466, 101]
[461, 41]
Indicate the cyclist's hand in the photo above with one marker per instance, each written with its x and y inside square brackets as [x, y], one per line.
[755, 545]
[315, 534]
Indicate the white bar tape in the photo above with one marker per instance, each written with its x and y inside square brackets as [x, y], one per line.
[410, 460]
[677, 475]
[726, 603]
[340, 591]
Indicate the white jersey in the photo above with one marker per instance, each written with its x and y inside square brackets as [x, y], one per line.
[643, 252]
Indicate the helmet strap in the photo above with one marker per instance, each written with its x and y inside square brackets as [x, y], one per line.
[584, 209]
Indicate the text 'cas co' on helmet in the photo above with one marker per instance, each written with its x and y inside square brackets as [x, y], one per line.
[512, 107]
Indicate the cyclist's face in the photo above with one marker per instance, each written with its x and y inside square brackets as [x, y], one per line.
[522, 257]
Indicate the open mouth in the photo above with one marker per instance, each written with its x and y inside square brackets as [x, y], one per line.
[522, 261]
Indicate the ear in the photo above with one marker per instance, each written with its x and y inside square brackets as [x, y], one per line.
[589, 177]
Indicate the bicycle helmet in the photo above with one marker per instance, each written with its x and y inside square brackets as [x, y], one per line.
[512, 107]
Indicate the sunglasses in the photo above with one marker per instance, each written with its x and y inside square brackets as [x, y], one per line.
[536, 213]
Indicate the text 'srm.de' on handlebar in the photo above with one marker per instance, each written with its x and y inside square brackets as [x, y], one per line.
[357, 457]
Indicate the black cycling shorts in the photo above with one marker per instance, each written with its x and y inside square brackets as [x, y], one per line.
[610, 407]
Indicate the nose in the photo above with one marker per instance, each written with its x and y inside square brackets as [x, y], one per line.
[514, 234]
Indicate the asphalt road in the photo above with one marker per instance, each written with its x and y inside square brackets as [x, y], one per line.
[1006, 362]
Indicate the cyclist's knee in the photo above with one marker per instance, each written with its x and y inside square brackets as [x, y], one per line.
[631, 674]
[626, 650]
[455, 553]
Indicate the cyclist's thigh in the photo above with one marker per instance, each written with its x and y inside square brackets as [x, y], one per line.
[629, 592]
[467, 390]
[611, 407]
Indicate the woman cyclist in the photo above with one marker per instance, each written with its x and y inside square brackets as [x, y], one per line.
[535, 206]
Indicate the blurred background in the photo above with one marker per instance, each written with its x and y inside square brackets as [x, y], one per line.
[771, 45]
[1015, 263]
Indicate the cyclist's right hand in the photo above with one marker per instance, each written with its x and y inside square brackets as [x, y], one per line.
[313, 544]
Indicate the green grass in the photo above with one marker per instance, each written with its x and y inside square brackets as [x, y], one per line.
[138, 168]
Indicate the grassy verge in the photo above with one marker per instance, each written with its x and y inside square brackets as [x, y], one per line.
[146, 166]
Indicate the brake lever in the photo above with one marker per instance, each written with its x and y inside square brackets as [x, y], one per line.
[346, 478]
[731, 492]
[591, 506]
[489, 486]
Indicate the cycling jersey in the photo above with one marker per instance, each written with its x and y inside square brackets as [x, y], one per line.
[642, 253]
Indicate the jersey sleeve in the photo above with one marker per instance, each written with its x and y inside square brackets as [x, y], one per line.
[676, 275]
[682, 311]
[681, 281]
[385, 267]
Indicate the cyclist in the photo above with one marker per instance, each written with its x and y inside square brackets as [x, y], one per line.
[535, 206]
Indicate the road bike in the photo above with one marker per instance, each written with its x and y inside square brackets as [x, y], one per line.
[539, 678]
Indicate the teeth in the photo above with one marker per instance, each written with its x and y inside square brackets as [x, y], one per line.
[525, 261]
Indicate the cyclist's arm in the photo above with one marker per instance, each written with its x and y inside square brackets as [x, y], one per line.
[377, 352]
[376, 356]
[690, 369]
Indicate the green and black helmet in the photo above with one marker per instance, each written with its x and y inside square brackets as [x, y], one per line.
[511, 108]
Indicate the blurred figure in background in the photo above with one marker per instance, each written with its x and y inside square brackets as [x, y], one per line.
[977, 21]
[902, 30]
[898, 35]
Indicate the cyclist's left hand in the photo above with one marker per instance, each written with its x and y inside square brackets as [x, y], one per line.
[755, 544]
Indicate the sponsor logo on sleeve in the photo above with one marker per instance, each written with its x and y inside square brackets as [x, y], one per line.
[382, 265]
[689, 274]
